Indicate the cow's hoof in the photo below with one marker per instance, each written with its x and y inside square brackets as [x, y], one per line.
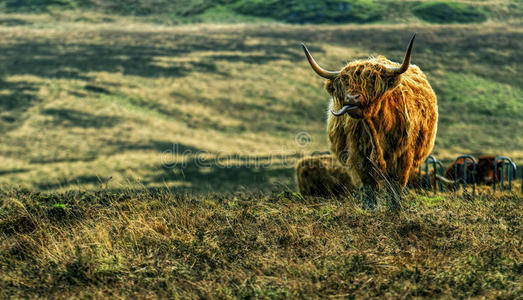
[370, 204]
[369, 199]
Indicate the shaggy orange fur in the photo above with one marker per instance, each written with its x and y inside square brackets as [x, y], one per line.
[398, 125]
[323, 176]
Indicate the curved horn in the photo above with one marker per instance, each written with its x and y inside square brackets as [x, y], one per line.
[406, 60]
[319, 70]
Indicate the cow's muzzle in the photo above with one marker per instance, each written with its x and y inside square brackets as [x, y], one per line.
[351, 106]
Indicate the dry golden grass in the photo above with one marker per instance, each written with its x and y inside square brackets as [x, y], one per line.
[159, 244]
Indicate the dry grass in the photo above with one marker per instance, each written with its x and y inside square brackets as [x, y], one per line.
[159, 244]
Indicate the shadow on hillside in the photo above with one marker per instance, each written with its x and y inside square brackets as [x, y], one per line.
[160, 146]
[69, 159]
[76, 118]
[13, 22]
[150, 54]
[219, 175]
[19, 97]
[142, 53]
[134, 54]
[13, 171]
[223, 174]
[67, 182]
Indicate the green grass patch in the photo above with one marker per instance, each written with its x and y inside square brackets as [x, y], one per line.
[256, 11]
[42, 5]
[449, 12]
[221, 14]
[294, 11]
[478, 114]
[59, 205]
[475, 94]
[431, 201]
[313, 11]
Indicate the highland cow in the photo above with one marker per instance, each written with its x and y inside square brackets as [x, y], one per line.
[383, 119]
[323, 176]
[484, 170]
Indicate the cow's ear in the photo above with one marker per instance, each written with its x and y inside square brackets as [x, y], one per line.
[329, 87]
[393, 80]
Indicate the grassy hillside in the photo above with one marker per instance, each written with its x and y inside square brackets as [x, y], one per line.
[142, 244]
[223, 107]
[286, 11]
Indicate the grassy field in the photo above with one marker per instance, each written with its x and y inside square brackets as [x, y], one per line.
[224, 107]
[141, 159]
[160, 244]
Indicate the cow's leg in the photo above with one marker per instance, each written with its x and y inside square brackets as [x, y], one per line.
[369, 197]
[372, 166]
[400, 178]
[370, 180]
[369, 192]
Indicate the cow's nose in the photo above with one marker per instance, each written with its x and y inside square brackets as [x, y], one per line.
[353, 99]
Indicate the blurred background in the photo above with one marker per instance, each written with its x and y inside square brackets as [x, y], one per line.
[217, 95]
